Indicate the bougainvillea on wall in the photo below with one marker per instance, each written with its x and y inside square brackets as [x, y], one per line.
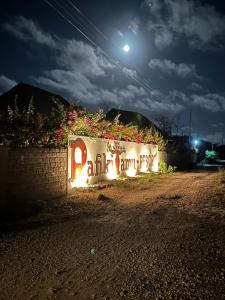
[30, 128]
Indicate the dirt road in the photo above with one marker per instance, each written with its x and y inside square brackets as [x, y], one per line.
[151, 240]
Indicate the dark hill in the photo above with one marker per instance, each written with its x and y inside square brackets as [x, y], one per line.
[43, 101]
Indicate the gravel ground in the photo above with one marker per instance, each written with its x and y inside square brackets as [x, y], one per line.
[150, 240]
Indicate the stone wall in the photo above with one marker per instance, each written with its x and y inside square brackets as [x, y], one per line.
[32, 173]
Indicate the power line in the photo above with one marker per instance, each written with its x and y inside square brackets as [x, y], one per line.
[91, 23]
[106, 38]
[138, 80]
[66, 19]
[77, 18]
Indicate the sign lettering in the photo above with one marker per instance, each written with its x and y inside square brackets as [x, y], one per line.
[91, 160]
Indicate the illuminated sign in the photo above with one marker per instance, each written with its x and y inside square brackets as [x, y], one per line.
[91, 160]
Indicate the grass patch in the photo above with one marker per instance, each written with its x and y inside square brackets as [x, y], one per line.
[121, 182]
[131, 182]
[149, 177]
[102, 197]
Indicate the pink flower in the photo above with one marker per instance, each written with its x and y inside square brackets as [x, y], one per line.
[71, 117]
[88, 121]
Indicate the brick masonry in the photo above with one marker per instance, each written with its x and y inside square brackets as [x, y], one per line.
[32, 173]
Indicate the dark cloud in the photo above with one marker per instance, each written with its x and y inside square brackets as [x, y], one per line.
[216, 137]
[134, 25]
[129, 72]
[211, 102]
[27, 30]
[82, 73]
[218, 125]
[81, 57]
[194, 86]
[6, 83]
[167, 66]
[171, 21]
[80, 66]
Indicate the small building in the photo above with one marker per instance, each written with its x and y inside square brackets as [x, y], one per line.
[23, 92]
[135, 118]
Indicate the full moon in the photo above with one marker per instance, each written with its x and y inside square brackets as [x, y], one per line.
[126, 48]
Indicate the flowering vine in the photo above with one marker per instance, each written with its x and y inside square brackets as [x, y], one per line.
[30, 128]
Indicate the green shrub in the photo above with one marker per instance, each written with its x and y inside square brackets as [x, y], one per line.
[164, 168]
[211, 154]
[151, 176]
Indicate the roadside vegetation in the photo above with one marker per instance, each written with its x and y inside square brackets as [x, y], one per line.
[164, 168]
[143, 178]
[30, 128]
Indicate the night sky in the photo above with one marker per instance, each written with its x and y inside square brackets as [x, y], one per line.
[175, 64]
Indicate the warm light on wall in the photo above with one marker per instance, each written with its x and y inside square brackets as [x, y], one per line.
[144, 169]
[81, 179]
[155, 166]
[112, 173]
[131, 172]
[78, 156]
[93, 160]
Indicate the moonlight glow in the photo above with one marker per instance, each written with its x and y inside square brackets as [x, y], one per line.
[126, 48]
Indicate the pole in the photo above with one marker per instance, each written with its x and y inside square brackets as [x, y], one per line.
[190, 125]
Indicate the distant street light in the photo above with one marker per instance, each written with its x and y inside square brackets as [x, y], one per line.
[196, 142]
